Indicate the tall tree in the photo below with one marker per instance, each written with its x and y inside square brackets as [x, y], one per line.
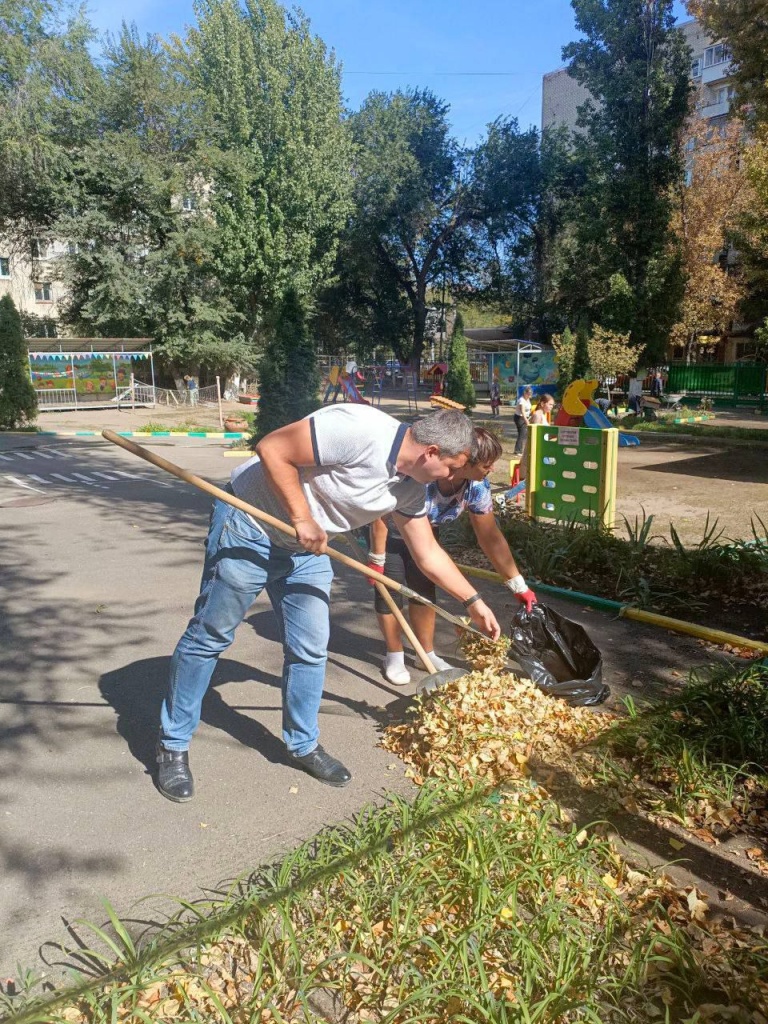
[458, 380]
[18, 402]
[635, 67]
[751, 235]
[49, 97]
[708, 206]
[420, 198]
[744, 27]
[289, 381]
[279, 152]
[142, 234]
[525, 233]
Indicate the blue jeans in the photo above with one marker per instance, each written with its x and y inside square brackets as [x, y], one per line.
[240, 562]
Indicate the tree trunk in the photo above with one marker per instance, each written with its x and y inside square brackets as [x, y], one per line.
[419, 326]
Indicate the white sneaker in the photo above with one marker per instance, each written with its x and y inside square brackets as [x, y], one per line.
[396, 672]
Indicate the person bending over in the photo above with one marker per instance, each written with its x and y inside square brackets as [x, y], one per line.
[467, 489]
[338, 469]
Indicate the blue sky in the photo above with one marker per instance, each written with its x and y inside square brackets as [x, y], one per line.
[448, 46]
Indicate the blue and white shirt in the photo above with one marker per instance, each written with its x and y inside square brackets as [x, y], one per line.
[474, 496]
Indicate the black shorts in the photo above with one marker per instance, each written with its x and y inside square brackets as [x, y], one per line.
[401, 567]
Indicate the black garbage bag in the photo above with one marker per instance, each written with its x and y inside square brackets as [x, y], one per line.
[558, 656]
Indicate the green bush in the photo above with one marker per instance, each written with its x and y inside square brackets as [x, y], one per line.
[18, 402]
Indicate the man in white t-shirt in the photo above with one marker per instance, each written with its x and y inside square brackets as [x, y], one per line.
[340, 468]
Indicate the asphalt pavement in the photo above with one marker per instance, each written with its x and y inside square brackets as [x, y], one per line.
[100, 559]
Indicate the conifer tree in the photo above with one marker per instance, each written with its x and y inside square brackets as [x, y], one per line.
[18, 403]
[581, 368]
[289, 380]
[458, 381]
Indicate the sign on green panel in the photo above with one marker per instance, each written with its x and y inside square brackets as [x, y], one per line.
[572, 474]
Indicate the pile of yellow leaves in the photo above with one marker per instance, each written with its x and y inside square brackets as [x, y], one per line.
[487, 726]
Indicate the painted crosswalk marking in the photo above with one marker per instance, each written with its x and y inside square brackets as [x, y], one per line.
[22, 455]
[24, 484]
[6, 458]
[66, 479]
[88, 480]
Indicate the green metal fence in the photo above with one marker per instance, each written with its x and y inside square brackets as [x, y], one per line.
[742, 383]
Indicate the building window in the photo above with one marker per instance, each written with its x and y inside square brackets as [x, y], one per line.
[43, 292]
[5, 266]
[696, 68]
[188, 204]
[40, 248]
[717, 54]
[73, 248]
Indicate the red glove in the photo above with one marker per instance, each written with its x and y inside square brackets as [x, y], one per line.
[374, 568]
[528, 598]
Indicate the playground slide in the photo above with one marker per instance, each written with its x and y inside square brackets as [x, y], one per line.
[349, 389]
[596, 418]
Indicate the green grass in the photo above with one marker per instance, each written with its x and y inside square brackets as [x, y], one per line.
[694, 430]
[465, 905]
[702, 749]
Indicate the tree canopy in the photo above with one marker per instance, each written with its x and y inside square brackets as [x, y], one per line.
[623, 273]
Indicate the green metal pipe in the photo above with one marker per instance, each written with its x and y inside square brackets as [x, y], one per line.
[628, 611]
[602, 603]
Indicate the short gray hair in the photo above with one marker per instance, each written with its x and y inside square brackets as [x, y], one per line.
[450, 430]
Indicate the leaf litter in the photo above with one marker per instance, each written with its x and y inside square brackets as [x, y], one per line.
[506, 913]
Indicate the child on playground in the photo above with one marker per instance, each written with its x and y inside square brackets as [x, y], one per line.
[495, 397]
[543, 411]
[468, 489]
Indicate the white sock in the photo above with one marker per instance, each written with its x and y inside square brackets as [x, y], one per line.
[395, 659]
[395, 670]
[439, 664]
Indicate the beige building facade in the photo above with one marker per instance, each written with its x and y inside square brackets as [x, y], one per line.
[31, 275]
[561, 95]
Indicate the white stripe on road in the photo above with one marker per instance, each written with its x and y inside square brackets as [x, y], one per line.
[26, 486]
[40, 479]
[42, 454]
[107, 476]
[61, 454]
[144, 478]
[87, 480]
[66, 479]
[6, 458]
[22, 455]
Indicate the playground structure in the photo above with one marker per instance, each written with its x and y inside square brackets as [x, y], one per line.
[572, 473]
[574, 459]
[340, 382]
[579, 409]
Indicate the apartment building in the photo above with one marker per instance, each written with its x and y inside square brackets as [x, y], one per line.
[31, 275]
[561, 95]
[711, 78]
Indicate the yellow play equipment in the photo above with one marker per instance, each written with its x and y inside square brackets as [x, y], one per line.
[573, 399]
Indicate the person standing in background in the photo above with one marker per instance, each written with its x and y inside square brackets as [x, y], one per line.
[522, 416]
[495, 397]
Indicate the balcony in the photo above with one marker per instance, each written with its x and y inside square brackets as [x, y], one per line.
[714, 109]
[716, 72]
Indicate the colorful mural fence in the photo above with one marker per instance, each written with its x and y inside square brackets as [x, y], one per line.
[525, 367]
[79, 379]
